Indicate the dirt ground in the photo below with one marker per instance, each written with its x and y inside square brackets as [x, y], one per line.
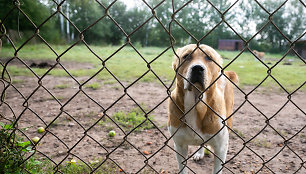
[76, 113]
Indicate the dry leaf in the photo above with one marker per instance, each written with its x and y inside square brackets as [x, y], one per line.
[146, 152]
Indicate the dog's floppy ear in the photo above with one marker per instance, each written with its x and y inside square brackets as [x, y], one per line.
[233, 76]
[176, 59]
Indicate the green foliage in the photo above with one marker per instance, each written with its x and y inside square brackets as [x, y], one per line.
[37, 12]
[287, 19]
[197, 17]
[132, 119]
[39, 166]
[85, 12]
[12, 150]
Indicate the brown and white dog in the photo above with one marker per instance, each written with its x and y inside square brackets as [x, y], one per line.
[201, 71]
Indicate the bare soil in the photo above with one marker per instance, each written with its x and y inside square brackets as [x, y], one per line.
[75, 116]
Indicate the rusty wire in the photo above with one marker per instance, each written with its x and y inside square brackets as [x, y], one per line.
[6, 82]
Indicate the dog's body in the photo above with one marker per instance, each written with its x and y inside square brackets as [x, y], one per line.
[201, 72]
[260, 55]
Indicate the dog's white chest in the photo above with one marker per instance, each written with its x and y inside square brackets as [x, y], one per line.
[187, 134]
[191, 116]
[189, 105]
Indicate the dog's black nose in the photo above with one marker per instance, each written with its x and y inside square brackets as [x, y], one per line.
[197, 75]
[197, 68]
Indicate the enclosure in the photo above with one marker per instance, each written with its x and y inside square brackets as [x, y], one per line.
[82, 69]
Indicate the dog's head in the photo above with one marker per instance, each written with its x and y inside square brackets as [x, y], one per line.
[197, 65]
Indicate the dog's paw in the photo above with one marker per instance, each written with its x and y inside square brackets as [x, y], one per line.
[199, 155]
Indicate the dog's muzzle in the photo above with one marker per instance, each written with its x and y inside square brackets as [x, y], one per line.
[197, 76]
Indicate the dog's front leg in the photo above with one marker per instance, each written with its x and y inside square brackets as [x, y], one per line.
[199, 155]
[220, 149]
[181, 154]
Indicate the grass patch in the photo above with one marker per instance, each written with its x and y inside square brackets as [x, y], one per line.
[93, 86]
[20, 71]
[79, 167]
[61, 86]
[129, 120]
[12, 154]
[241, 134]
[55, 123]
[90, 114]
[110, 82]
[302, 137]
[16, 81]
[40, 166]
[60, 98]
[282, 132]
[44, 166]
[262, 143]
[127, 65]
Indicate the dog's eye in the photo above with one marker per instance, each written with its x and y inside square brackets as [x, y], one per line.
[187, 56]
[208, 58]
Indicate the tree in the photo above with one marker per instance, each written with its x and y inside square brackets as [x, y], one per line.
[297, 16]
[85, 12]
[270, 36]
[36, 11]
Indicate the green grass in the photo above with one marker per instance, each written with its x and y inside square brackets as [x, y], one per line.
[15, 81]
[51, 98]
[130, 120]
[262, 143]
[90, 114]
[20, 71]
[44, 166]
[241, 134]
[61, 86]
[110, 82]
[127, 65]
[252, 72]
[93, 86]
[14, 150]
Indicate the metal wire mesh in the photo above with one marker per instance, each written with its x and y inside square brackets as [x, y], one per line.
[6, 81]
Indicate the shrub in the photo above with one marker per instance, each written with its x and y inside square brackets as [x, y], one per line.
[12, 150]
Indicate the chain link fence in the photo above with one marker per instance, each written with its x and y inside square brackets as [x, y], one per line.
[86, 128]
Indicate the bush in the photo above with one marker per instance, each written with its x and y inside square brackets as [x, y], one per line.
[12, 150]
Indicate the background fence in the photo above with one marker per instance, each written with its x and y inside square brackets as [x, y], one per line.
[13, 95]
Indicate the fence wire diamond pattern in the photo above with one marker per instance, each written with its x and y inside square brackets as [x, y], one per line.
[85, 128]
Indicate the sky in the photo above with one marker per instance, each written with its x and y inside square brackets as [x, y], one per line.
[131, 3]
